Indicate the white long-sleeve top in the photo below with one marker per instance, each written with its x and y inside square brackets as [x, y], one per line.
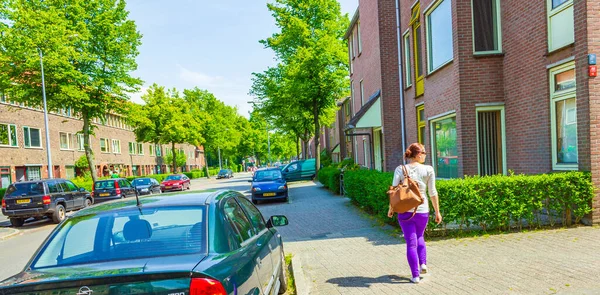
[424, 176]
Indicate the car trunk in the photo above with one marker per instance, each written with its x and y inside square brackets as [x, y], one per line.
[160, 275]
[24, 202]
[103, 190]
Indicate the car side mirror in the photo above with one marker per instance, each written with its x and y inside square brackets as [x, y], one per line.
[286, 170]
[81, 189]
[277, 220]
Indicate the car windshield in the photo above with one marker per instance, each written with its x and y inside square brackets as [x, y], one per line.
[173, 177]
[107, 184]
[126, 234]
[28, 189]
[141, 181]
[267, 175]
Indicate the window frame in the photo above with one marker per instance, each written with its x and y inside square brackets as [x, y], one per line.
[432, 141]
[132, 146]
[27, 136]
[10, 128]
[69, 141]
[556, 96]
[80, 142]
[140, 148]
[428, 42]
[407, 59]
[551, 12]
[106, 145]
[421, 122]
[415, 24]
[113, 141]
[362, 93]
[498, 23]
[358, 37]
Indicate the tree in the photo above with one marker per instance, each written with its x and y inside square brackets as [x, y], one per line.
[180, 158]
[312, 56]
[166, 118]
[89, 50]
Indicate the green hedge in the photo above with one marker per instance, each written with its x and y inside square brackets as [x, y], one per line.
[82, 182]
[492, 202]
[330, 178]
[2, 191]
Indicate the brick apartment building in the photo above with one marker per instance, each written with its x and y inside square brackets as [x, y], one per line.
[487, 85]
[23, 146]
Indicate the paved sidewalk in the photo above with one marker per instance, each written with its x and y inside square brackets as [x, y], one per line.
[341, 251]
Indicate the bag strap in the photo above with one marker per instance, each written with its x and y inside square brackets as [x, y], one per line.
[405, 171]
[413, 215]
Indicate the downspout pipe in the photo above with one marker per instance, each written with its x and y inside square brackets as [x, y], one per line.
[401, 81]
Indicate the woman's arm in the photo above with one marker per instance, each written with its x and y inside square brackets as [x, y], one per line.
[433, 194]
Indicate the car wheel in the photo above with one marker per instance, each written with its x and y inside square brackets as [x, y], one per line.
[59, 214]
[255, 202]
[286, 198]
[17, 222]
[189, 186]
[282, 275]
[88, 202]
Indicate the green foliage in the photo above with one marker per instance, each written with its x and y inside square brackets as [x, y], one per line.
[181, 158]
[82, 163]
[492, 202]
[86, 183]
[330, 178]
[2, 191]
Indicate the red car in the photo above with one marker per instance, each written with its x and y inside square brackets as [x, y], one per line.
[175, 182]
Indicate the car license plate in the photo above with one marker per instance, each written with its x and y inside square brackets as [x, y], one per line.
[105, 194]
[24, 201]
[268, 194]
[167, 187]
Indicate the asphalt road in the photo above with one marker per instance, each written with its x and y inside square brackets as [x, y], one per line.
[16, 251]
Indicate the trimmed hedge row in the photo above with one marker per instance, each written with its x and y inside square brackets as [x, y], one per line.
[2, 191]
[330, 178]
[492, 202]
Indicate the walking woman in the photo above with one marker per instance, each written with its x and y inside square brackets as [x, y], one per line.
[414, 228]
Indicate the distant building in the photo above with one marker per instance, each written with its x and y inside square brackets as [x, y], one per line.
[23, 146]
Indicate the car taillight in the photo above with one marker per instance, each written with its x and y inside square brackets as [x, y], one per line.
[46, 200]
[3, 204]
[205, 286]
[118, 189]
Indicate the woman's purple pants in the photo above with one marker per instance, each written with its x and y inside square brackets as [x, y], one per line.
[413, 230]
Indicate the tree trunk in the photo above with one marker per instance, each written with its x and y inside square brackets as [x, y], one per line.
[317, 136]
[298, 147]
[89, 153]
[206, 163]
[174, 157]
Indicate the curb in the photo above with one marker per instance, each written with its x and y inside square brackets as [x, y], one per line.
[302, 287]
[13, 233]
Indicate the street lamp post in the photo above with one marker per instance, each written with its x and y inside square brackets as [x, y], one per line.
[269, 144]
[219, 148]
[48, 152]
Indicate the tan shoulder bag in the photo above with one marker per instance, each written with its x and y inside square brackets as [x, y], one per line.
[406, 195]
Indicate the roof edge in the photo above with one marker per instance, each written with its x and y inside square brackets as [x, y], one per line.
[352, 23]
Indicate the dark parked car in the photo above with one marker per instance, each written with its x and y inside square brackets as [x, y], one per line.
[194, 243]
[268, 184]
[146, 186]
[225, 173]
[112, 189]
[39, 198]
[175, 182]
[299, 170]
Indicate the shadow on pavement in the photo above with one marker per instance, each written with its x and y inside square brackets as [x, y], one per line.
[30, 223]
[364, 282]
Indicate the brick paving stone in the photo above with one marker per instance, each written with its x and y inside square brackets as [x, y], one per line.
[343, 251]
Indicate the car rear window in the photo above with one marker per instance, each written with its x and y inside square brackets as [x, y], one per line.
[267, 175]
[104, 184]
[141, 181]
[126, 234]
[28, 189]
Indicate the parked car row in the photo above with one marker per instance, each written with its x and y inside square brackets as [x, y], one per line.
[53, 198]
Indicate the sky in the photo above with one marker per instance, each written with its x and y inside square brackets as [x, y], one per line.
[212, 45]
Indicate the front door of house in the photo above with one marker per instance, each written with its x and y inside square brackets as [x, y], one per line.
[377, 149]
[491, 148]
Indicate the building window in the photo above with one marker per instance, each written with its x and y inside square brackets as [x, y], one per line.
[439, 34]
[104, 145]
[487, 36]
[31, 137]
[151, 149]
[352, 92]
[66, 141]
[358, 35]
[561, 24]
[362, 93]
[34, 173]
[140, 148]
[158, 152]
[407, 69]
[8, 135]
[415, 23]
[563, 108]
[132, 148]
[70, 171]
[421, 124]
[444, 152]
[350, 55]
[366, 153]
[80, 142]
[116, 146]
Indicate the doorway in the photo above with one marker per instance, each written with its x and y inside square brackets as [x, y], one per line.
[377, 149]
[491, 145]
